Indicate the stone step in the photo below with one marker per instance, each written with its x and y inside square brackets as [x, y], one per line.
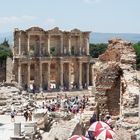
[131, 114]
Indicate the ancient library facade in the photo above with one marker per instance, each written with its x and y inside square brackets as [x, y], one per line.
[52, 59]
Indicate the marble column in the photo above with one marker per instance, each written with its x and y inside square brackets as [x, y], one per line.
[29, 76]
[87, 41]
[90, 75]
[40, 72]
[48, 75]
[28, 44]
[40, 49]
[69, 49]
[36, 74]
[49, 37]
[70, 87]
[80, 75]
[87, 74]
[61, 45]
[19, 43]
[80, 43]
[61, 75]
[19, 74]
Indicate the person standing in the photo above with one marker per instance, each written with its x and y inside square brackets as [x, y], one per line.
[30, 115]
[26, 115]
[13, 113]
[93, 118]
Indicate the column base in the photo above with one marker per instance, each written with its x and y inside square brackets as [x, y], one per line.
[70, 88]
[80, 87]
[41, 89]
[61, 88]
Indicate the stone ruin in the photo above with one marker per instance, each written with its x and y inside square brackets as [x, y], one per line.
[117, 87]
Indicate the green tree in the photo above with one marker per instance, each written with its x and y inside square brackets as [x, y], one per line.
[5, 50]
[5, 43]
[137, 49]
[97, 49]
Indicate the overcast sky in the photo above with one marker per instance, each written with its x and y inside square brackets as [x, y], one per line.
[119, 16]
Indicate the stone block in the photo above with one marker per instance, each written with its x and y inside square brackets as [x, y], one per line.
[17, 129]
[17, 138]
[30, 128]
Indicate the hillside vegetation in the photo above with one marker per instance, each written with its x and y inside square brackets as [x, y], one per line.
[137, 49]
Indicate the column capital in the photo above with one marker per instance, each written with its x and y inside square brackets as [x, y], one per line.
[80, 60]
[49, 62]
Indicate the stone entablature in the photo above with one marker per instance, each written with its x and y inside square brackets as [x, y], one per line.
[38, 42]
[52, 57]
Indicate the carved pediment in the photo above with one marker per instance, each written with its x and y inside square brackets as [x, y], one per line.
[55, 30]
[35, 29]
[75, 31]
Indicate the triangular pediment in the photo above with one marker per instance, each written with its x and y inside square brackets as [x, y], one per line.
[75, 31]
[34, 29]
[55, 30]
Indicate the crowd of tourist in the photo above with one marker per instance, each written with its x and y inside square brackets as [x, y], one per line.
[73, 104]
[68, 104]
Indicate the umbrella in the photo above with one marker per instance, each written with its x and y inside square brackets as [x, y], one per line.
[98, 125]
[77, 137]
[106, 134]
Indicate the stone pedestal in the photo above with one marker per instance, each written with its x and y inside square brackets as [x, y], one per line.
[30, 130]
[17, 132]
[17, 129]
[30, 127]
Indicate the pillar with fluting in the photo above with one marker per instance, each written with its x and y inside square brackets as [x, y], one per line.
[28, 44]
[40, 72]
[19, 44]
[90, 75]
[49, 37]
[80, 43]
[80, 75]
[40, 52]
[48, 75]
[61, 45]
[28, 76]
[69, 47]
[19, 75]
[61, 75]
[87, 74]
[70, 76]
[87, 41]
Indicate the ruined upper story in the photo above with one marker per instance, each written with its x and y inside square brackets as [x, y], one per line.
[36, 42]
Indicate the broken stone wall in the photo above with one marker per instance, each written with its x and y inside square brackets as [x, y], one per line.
[116, 77]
